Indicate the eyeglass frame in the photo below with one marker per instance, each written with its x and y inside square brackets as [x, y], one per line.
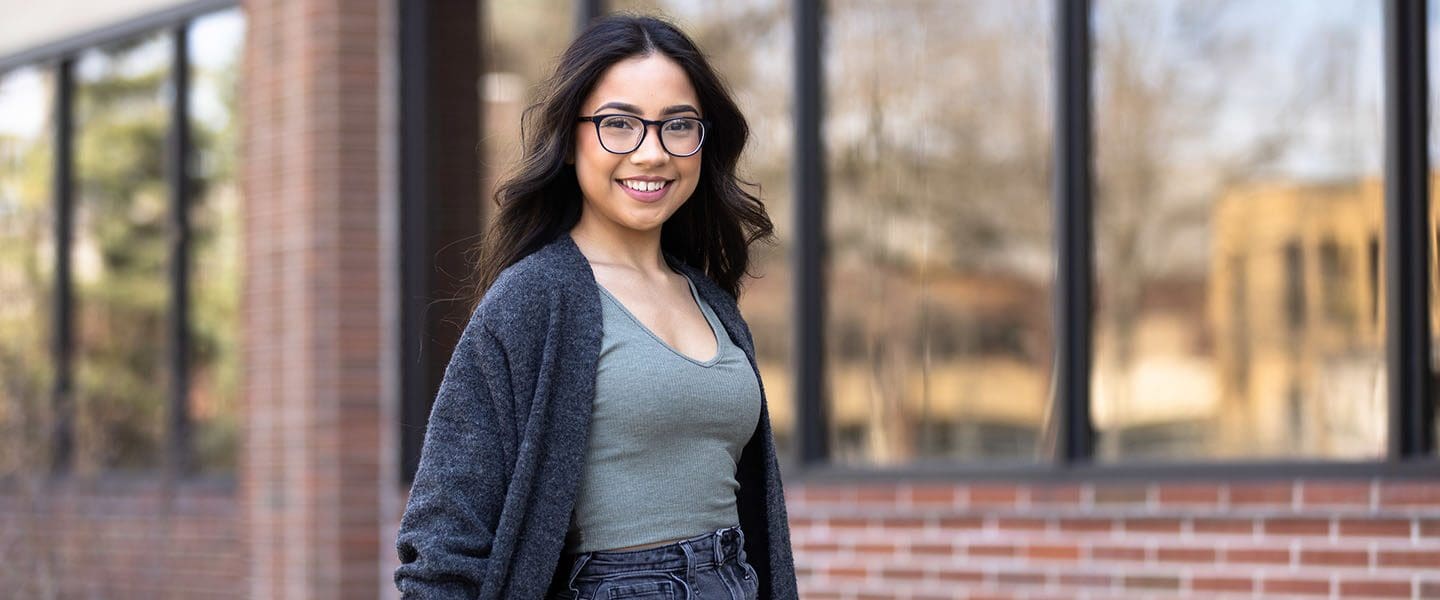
[645, 130]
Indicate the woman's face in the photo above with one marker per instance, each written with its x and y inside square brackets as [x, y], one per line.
[619, 189]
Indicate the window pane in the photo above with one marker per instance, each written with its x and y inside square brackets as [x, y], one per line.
[27, 267]
[120, 255]
[938, 142]
[750, 44]
[216, 42]
[1239, 230]
[522, 39]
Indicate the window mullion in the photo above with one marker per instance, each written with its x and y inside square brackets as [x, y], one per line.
[1406, 201]
[809, 197]
[178, 150]
[1074, 275]
[63, 401]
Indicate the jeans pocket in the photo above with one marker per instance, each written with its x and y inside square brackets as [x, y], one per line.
[637, 587]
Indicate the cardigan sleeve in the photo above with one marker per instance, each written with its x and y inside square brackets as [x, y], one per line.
[448, 529]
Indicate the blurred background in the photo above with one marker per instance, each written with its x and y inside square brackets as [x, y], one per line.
[234, 245]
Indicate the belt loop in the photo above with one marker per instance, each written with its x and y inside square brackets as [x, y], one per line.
[689, 564]
[740, 543]
[575, 572]
[719, 539]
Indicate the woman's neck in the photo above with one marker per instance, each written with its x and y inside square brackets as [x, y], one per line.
[612, 246]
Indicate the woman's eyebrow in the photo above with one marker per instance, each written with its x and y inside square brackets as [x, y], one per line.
[631, 108]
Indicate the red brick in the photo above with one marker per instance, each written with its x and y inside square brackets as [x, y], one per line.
[1266, 556]
[901, 522]
[956, 523]
[1189, 494]
[876, 494]
[1296, 526]
[1261, 494]
[817, 547]
[962, 575]
[1376, 588]
[1430, 589]
[1084, 580]
[1052, 552]
[1080, 525]
[1410, 494]
[1220, 526]
[827, 493]
[1284, 585]
[1020, 524]
[1126, 553]
[1430, 528]
[1375, 527]
[1419, 559]
[849, 523]
[992, 495]
[1055, 494]
[932, 549]
[1356, 494]
[881, 548]
[991, 550]
[1020, 578]
[1335, 558]
[1185, 555]
[933, 494]
[1121, 494]
[902, 573]
[1219, 583]
[1152, 525]
[1152, 582]
[846, 572]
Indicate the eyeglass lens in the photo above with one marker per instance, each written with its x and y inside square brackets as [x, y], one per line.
[622, 134]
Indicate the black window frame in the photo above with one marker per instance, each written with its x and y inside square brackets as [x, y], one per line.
[179, 459]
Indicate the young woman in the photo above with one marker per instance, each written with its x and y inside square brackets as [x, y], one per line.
[601, 431]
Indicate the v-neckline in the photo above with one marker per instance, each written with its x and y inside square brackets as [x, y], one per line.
[694, 297]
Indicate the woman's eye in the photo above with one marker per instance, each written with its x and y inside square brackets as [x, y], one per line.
[617, 124]
[680, 126]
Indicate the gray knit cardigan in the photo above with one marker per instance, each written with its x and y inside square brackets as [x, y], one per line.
[505, 447]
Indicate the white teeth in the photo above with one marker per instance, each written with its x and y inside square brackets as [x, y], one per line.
[642, 186]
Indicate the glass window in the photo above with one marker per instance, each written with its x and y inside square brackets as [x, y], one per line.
[120, 255]
[938, 143]
[750, 44]
[27, 267]
[522, 40]
[1239, 230]
[216, 44]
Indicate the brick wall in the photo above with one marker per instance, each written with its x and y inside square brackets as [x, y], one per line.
[313, 445]
[131, 539]
[1302, 539]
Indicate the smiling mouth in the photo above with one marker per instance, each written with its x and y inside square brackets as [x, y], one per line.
[644, 186]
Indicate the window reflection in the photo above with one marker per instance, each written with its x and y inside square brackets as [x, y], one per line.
[938, 141]
[27, 267]
[750, 43]
[522, 39]
[216, 43]
[120, 255]
[1238, 209]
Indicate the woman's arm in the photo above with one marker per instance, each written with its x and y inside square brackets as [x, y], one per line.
[448, 530]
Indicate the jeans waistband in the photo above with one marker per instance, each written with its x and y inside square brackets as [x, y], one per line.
[715, 547]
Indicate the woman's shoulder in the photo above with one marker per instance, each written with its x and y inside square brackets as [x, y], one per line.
[526, 292]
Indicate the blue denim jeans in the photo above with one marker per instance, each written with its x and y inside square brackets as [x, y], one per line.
[705, 567]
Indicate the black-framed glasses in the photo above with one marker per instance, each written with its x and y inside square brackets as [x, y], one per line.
[622, 134]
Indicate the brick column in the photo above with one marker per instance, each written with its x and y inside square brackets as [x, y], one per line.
[310, 482]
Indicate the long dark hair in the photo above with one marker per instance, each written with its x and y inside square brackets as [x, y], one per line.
[715, 227]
